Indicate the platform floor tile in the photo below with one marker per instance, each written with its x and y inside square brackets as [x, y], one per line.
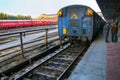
[113, 61]
[93, 64]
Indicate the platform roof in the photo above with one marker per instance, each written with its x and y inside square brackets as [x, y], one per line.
[110, 8]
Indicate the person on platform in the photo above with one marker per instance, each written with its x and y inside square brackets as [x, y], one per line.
[114, 31]
[106, 30]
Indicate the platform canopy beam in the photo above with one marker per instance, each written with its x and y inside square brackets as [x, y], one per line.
[110, 8]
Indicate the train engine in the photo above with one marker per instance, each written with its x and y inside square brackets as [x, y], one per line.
[78, 21]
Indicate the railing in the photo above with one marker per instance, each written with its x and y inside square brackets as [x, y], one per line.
[25, 31]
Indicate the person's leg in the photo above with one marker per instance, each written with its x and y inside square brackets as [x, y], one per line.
[115, 34]
[112, 36]
[106, 39]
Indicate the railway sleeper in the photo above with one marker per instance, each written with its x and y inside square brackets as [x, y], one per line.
[42, 76]
[64, 64]
[71, 57]
[47, 73]
[61, 61]
[69, 52]
[66, 59]
[56, 67]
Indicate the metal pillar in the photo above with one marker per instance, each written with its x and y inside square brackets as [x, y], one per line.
[24, 34]
[21, 41]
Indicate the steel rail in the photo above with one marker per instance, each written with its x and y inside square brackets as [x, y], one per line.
[21, 76]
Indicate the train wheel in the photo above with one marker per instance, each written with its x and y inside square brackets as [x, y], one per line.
[88, 42]
[60, 42]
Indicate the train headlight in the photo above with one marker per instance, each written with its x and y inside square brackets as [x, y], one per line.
[89, 12]
[59, 13]
[64, 31]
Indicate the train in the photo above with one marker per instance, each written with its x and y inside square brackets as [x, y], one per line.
[79, 22]
[7, 24]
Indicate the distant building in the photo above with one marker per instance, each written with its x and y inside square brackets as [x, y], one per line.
[48, 17]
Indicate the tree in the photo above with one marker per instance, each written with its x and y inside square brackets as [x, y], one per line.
[4, 16]
[1, 16]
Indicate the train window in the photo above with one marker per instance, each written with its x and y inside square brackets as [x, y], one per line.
[74, 23]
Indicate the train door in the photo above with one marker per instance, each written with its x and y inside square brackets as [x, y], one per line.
[74, 27]
[74, 23]
[87, 27]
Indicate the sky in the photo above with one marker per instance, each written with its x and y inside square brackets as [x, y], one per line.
[36, 7]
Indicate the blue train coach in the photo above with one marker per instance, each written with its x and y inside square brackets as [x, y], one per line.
[78, 21]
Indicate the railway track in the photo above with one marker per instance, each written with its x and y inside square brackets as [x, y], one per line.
[20, 66]
[54, 66]
[34, 42]
[23, 28]
[6, 39]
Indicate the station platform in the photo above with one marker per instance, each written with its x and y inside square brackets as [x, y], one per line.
[100, 62]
